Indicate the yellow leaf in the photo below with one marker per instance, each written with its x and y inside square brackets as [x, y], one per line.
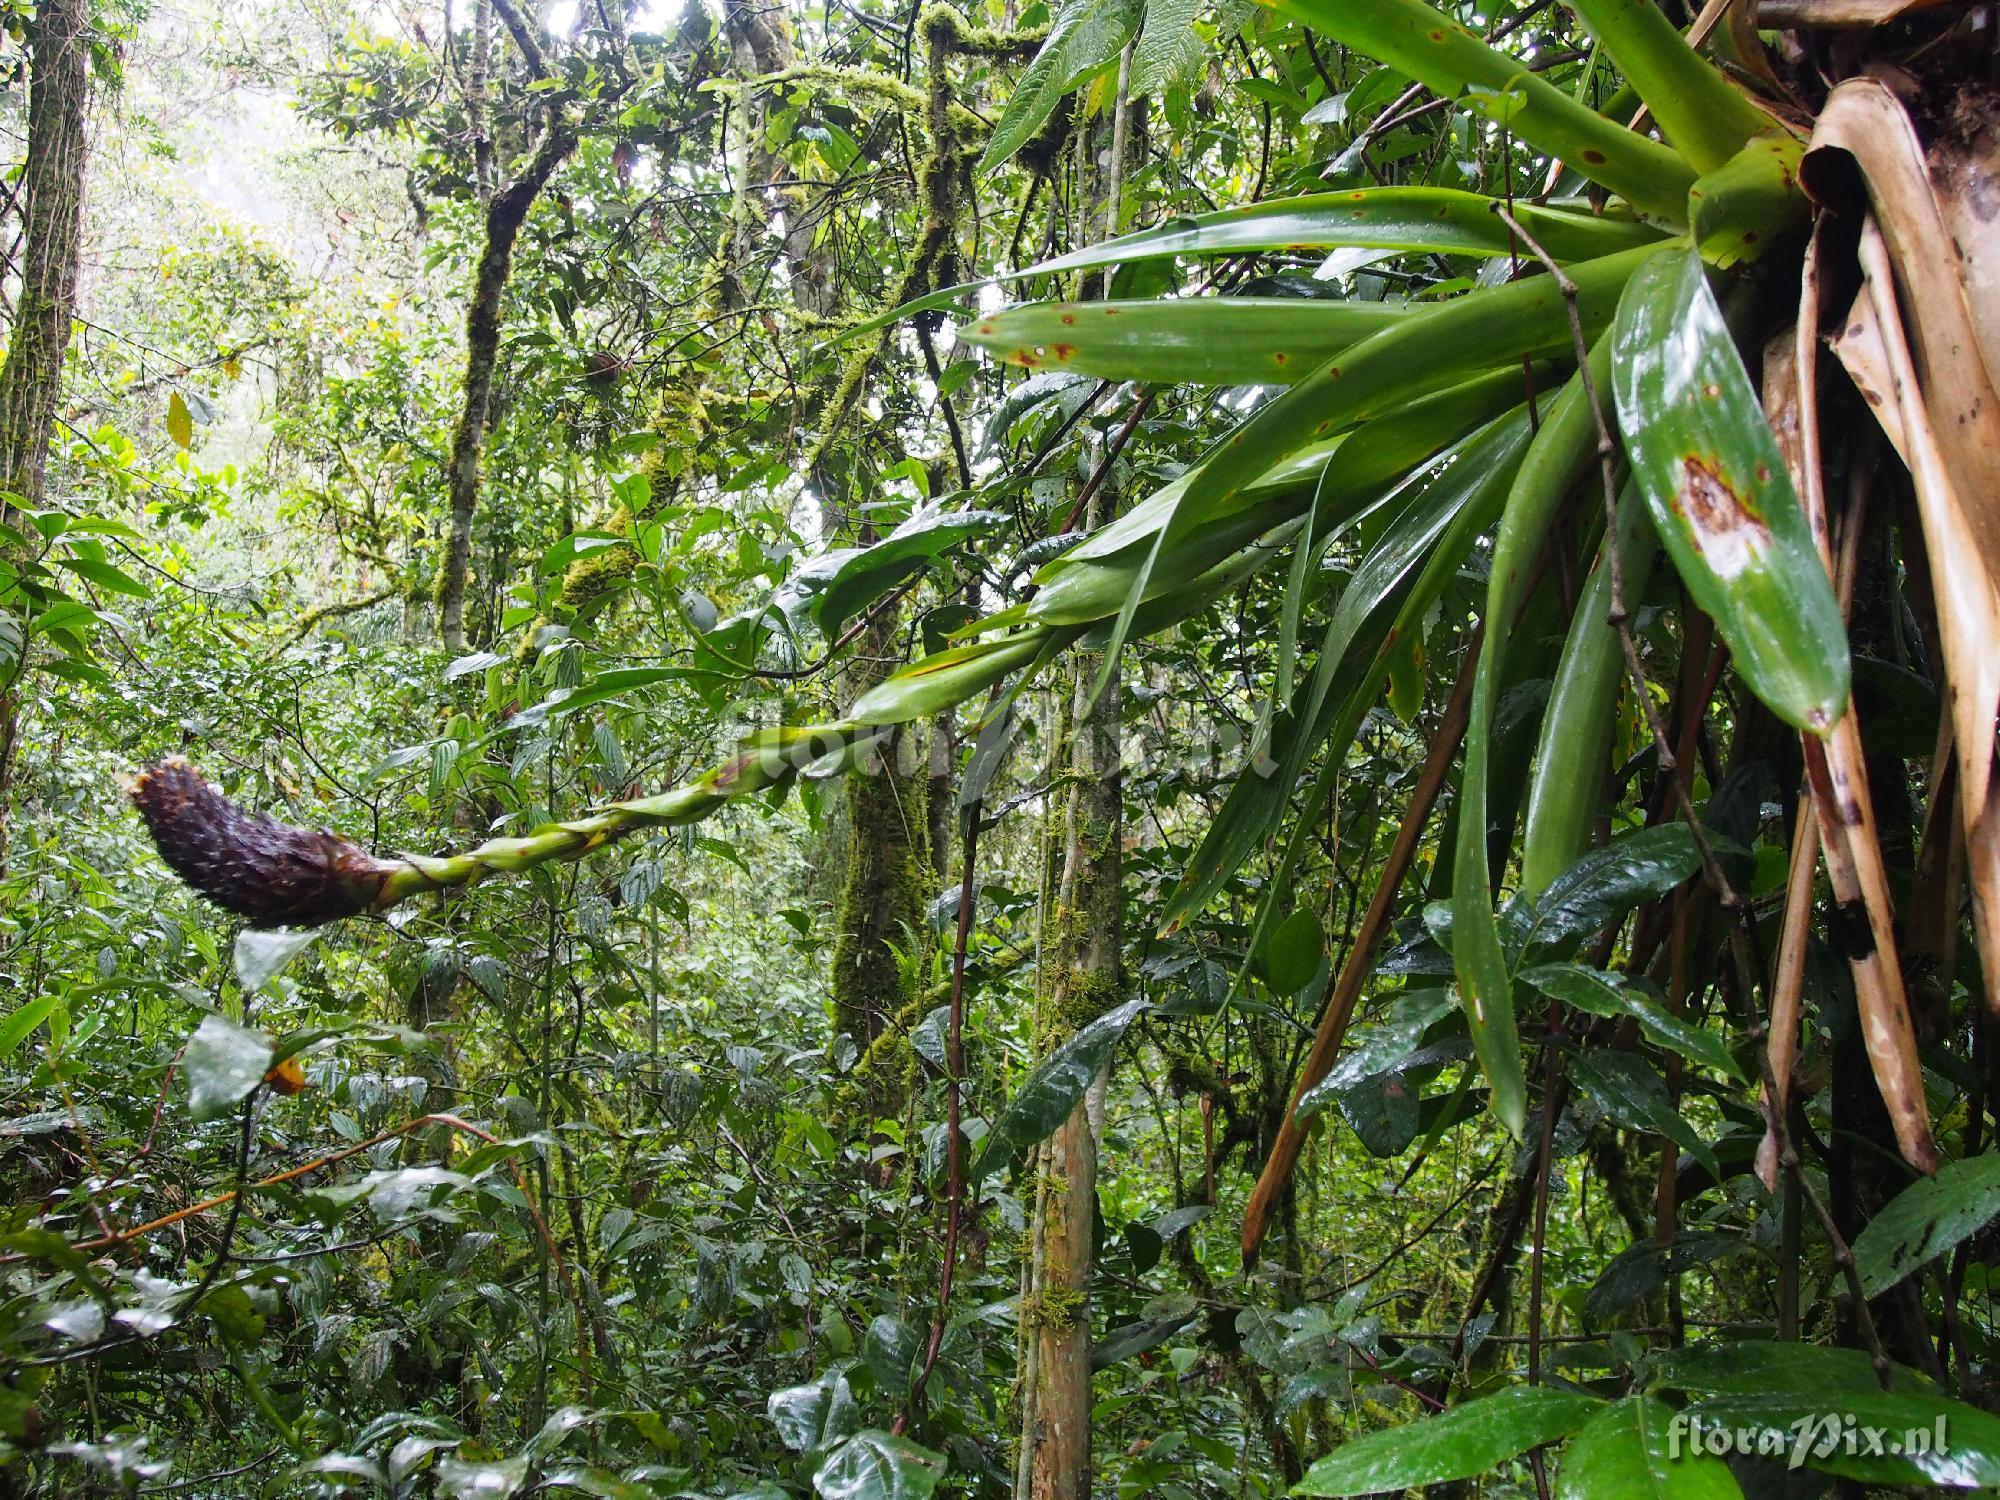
[180, 422]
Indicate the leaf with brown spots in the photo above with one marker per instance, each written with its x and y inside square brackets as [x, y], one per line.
[1716, 488]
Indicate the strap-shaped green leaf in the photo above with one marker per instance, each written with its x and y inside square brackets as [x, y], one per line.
[1447, 220]
[1424, 353]
[1717, 489]
[1699, 110]
[1583, 708]
[1202, 340]
[1561, 451]
[1448, 59]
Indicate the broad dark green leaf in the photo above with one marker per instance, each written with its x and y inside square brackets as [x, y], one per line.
[865, 575]
[1382, 1110]
[1615, 995]
[1464, 1442]
[1087, 35]
[877, 1465]
[1717, 488]
[1294, 953]
[1878, 1437]
[891, 1349]
[1929, 1217]
[815, 1415]
[1625, 1086]
[1752, 1367]
[223, 1062]
[1602, 886]
[1142, 1333]
[1053, 1090]
[1631, 1450]
[1638, 1271]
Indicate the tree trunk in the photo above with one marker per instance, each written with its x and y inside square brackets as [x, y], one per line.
[882, 897]
[1082, 955]
[477, 72]
[504, 217]
[52, 193]
[760, 43]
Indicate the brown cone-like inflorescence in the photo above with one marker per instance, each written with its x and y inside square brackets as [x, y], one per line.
[268, 872]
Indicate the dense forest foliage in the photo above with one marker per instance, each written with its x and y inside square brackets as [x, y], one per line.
[883, 748]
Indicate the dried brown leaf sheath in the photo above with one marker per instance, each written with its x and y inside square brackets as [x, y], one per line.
[265, 871]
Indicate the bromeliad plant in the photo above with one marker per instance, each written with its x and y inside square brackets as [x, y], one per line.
[1698, 222]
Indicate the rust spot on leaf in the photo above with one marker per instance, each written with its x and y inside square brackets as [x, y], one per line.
[1724, 526]
[1062, 351]
[1069, 320]
[1280, 357]
[1593, 156]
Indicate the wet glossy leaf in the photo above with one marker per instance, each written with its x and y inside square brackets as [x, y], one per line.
[481, 1479]
[1943, 1442]
[866, 574]
[815, 1415]
[1462, 1442]
[891, 1350]
[1445, 220]
[876, 1465]
[262, 955]
[1614, 995]
[1627, 1089]
[1600, 887]
[1053, 1090]
[1927, 1218]
[222, 1064]
[1200, 340]
[1627, 1450]
[1450, 59]
[1716, 486]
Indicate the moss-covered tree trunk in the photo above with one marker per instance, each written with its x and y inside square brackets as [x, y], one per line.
[506, 212]
[1081, 953]
[882, 921]
[31, 380]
